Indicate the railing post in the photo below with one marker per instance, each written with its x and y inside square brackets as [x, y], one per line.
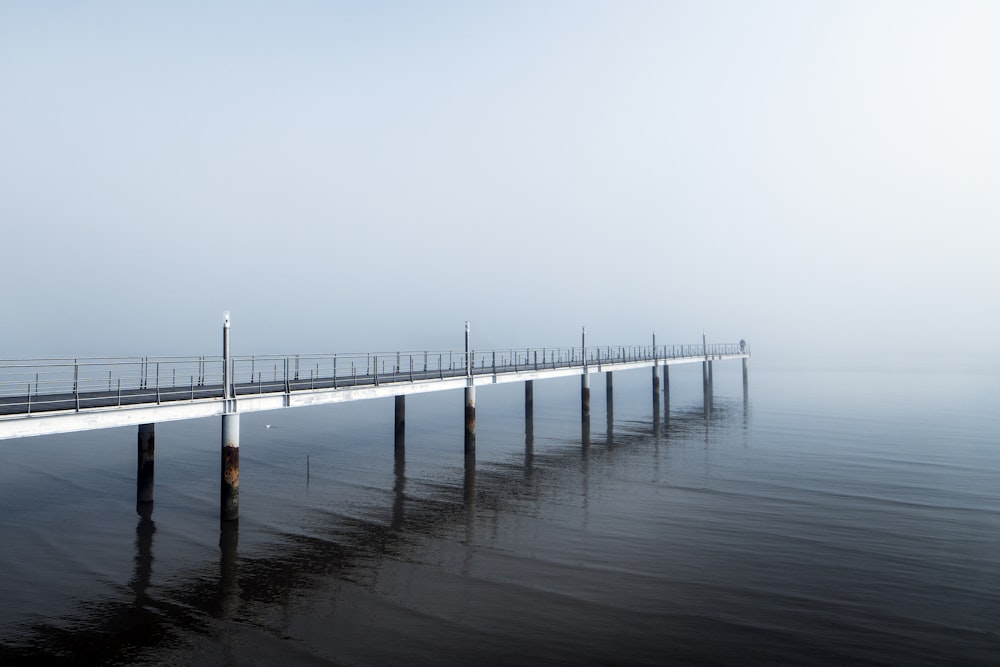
[225, 359]
[76, 383]
[468, 351]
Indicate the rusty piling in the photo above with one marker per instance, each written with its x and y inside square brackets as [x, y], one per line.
[230, 488]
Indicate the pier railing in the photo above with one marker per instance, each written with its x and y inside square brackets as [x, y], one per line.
[34, 385]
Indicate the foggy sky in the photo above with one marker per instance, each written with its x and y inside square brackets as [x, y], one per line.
[820, 178]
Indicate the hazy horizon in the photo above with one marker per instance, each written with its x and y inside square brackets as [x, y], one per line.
[817, 178]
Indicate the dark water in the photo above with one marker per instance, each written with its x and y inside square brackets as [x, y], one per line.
[830, 518]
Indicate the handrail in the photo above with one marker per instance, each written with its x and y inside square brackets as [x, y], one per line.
[29, 385]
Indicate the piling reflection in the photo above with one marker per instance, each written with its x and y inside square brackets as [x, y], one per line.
[469, 497]
[469, 482]
[666, 415]
[529, 447]
[398, 491]
[143, 572]
[611, 424]
[228, 599]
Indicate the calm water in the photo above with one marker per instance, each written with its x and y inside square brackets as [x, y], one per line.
[830, 518]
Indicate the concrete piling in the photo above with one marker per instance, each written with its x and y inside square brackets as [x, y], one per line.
[470, 419]
[229, 491]
[230, 487]
[144, 467]
[656, 386]
[400, 424]
[529, 407]
[470, 396]
[656, 376]
[609, 394]
[666, 387]
[529, 400]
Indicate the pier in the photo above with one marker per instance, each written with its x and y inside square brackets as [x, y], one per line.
[48, 396]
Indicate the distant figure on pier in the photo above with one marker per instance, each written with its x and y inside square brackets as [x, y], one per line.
[743, 346]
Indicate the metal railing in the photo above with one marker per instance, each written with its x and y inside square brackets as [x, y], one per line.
[45, 385]
[62, 384]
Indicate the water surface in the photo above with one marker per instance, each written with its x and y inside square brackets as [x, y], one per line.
[828, 517]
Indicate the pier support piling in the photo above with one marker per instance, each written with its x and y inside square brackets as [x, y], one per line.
[666, 385]
[656, 387]
[744, 374]
[229, 493]
[470, 397]
[529, 406]
[400, 424]
[470, 419]
[609, 393]
[230, 490]
[656, 377]
[706, 389]
[144, 468]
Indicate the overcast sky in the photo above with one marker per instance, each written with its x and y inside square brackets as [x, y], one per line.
[362, 175]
